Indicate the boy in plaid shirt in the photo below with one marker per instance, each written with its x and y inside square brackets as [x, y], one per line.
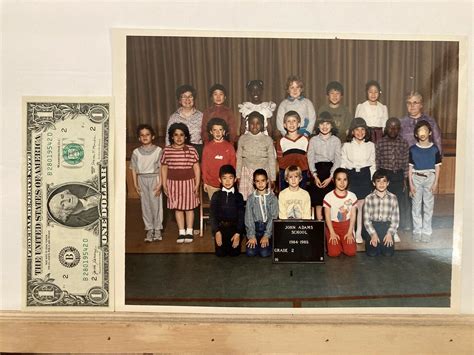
[381, 217]
[391, 154]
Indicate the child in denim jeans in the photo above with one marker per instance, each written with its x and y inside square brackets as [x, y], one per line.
[262, 208]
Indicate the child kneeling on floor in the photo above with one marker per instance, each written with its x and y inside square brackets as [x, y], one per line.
[294, 202]
[261, 209]
[340, 213]
[381, 217]
[227, 214]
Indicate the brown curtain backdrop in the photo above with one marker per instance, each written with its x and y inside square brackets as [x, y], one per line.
[156, 66]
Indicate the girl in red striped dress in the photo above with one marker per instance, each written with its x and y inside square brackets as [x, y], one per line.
[180, 173]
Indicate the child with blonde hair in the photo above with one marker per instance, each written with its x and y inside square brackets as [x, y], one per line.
[294, 202]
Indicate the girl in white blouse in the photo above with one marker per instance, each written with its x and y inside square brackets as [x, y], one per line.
[358, 157]
[373, 111]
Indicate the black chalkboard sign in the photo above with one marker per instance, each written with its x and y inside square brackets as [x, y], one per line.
[298, 241]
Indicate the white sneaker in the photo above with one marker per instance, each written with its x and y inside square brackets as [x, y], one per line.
[157, 235]
[396, 238]
[359, 239]
[149, 236]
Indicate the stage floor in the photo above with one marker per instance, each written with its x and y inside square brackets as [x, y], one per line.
[166, 273]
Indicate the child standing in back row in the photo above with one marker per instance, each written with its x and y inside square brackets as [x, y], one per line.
[218, 95]
[266, 108]
[423, 174]
[341, 115]
[145, 165]
[295, 101]
[373, 111]
[255, 150]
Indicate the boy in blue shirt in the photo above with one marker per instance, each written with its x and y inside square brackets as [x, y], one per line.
[423, 175]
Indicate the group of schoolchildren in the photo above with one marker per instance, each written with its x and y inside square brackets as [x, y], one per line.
[347, 183]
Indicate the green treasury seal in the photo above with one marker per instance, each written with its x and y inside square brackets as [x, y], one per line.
[73, 153]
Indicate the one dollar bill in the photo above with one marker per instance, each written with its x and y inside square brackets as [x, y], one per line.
[68, 191]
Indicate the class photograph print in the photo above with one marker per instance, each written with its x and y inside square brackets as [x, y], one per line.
[225, 134]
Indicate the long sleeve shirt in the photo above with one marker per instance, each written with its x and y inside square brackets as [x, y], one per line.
[294, 204]
[324, 150]
[342, 118]
[358, 155]
[374, 115]
[381, 209]
[220, 111]
[408, 126]
[305, 109]
[227, 207]
[214, 155]
[392, 154]
[261, 208]
[256, 151]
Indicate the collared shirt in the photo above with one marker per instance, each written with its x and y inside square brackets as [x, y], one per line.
[324, 150]
[374, 115]
[381, 209]
[358, 155]
[392, 154]
[408, 126]
[227, 207]
[231, 190]
[194, 124]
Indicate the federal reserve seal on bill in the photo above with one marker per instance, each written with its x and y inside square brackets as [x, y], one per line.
[68, 196]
